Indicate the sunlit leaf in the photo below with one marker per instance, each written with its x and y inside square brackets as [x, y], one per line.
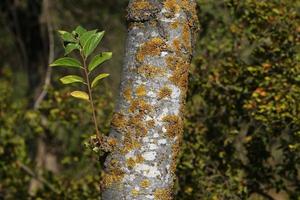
[98, 78]
[92, 43]
[86, 36]
[99, 59]
[66, 62]
[71, 47]
[80, 30]
[80, 95]
[71, 79]
[66, 36]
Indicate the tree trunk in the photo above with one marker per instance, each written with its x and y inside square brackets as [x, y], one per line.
[147, 123]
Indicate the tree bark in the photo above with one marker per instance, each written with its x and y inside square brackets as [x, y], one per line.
[148, 120]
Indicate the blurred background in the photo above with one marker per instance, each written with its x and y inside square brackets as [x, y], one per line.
[242, 126]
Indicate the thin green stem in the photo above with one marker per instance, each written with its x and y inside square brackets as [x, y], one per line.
[90, 95]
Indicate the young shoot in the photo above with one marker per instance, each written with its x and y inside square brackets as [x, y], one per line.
[83, 42]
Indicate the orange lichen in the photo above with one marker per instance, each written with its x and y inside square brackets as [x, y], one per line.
[137, 125]
[140, 105]
[132, 25]
[186, 37]
[153, 47]
[112, 142]
[140, 91]
[180, 67]
[112, 177]
[130, 162]
[150, 123]
[118, 121]
[127, 93]
[162, 194]
[164, 92]
[174, 125]
[140, 5]
[174, 25]
[172, 6]
[139, 158]
[176, 45]
[145, 183]
[130, 144]
[175, 154]
[190, 7]
[150, 71]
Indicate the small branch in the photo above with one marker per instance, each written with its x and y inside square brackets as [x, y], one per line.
[90, 96]
[34, 175]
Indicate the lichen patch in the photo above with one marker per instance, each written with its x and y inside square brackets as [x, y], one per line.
[141, 91]
[153, 47]
[151, 71]
[162, 194]
[174, 125]
[164, 92]
[113, 177]
[145, 183]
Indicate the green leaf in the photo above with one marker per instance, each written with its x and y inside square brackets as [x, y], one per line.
[99, 59]
[80, 95]
[71, 47]
[66, 36]
[86, 36]
[71, 79]
[98, 78]
[66, 62]
[80, 30]
[92, 43]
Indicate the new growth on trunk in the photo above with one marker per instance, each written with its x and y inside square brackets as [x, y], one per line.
[148, 119]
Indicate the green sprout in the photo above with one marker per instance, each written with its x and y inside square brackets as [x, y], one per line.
[84, 42]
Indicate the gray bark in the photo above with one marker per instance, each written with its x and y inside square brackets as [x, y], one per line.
[147, 123]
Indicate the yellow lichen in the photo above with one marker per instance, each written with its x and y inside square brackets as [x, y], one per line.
[164, 92]
[118, 121]
[162, 194]
[174, 125]
[141, 91]
[112, 142]
[139, 105]
[180, 67]
[150, 71]
[153, 47]
[140, 5]
[172, 6]
[113, 177]
[130, 162]
[127, 93]
[145, 183]
[137, 124]
[135, 192]
[174, 25]
[150, 123]
[130, 143]
[176, 45]
[139, 158]
[186, 37]
[175, 154]
[190, 6]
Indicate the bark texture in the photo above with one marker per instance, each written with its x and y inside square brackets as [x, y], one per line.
[147, 124]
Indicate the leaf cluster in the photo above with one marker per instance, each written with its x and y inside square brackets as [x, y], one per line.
[83, 42]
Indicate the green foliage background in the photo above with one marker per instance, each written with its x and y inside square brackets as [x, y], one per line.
[242, 127]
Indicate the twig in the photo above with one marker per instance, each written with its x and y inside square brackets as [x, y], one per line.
[38, 178]
[90, 96]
